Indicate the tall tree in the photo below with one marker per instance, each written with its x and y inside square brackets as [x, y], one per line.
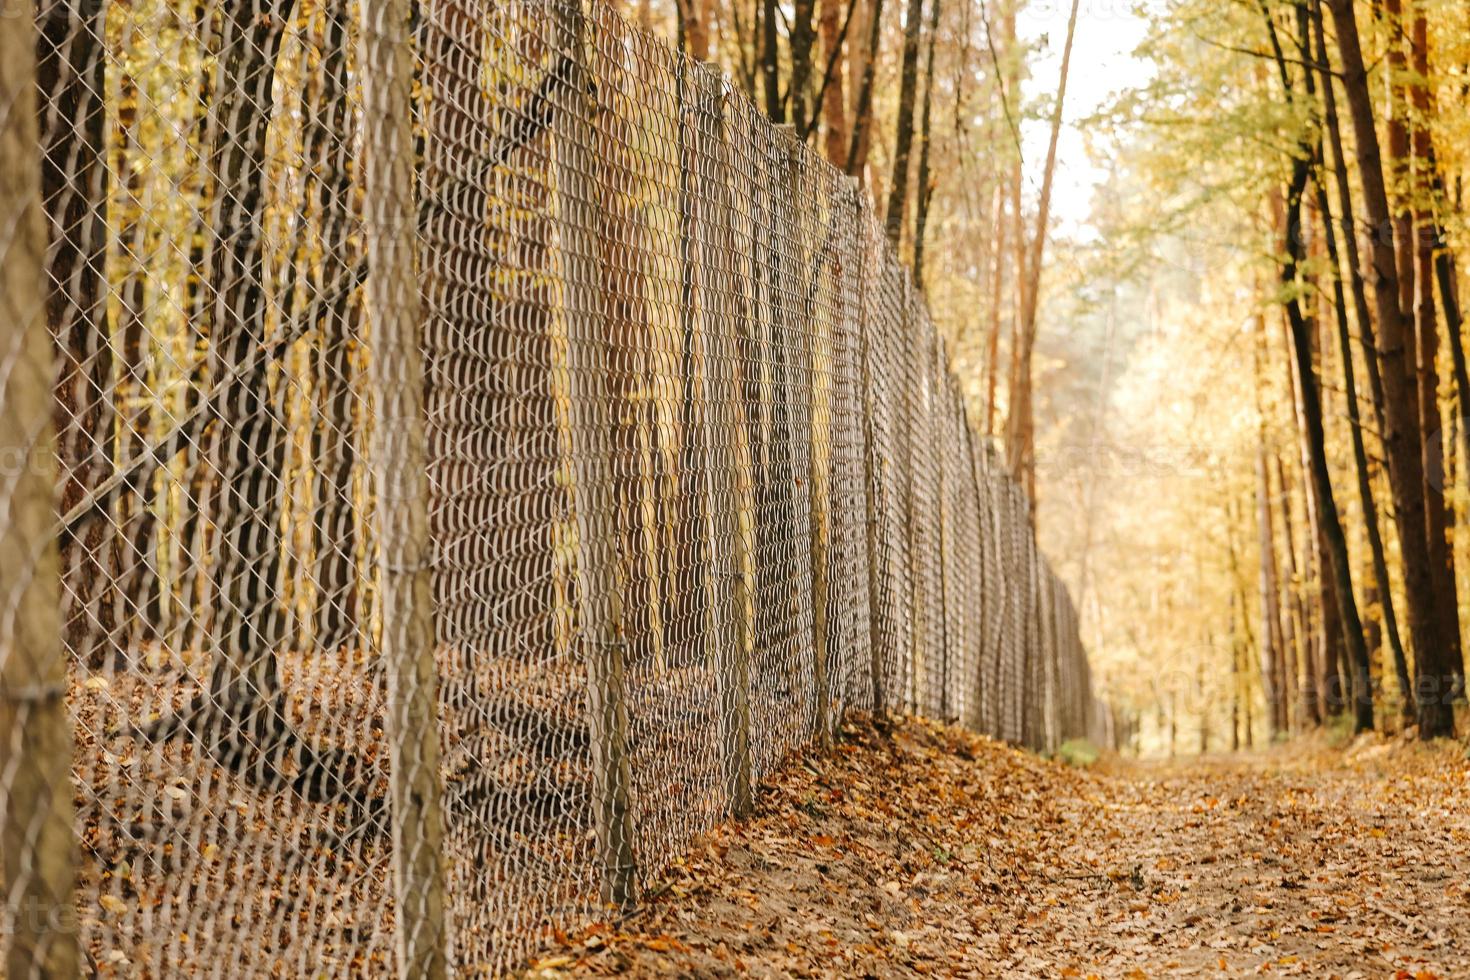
[1426, 334]
[69, 75]
[1401, 428]
[903, 137]
[1271, 649]
[830, 26]
[1329, 520]
[803, 40]
[328, 124]
[770, 62]
[924, 191]
[1020, 432]
[1364, 319]
[862, 114]
[694, 19]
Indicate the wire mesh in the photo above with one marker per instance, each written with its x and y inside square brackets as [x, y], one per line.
[486, 448]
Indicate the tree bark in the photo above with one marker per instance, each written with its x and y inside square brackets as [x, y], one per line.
[1426, 330]
[1400, 435]
[770, 62]
[1271, 642]
[69, 77]
[249, 621]
[38, 854]
[1330, 524]
[803, 38]
[328, 126]
[834, 98]
[1296, 637]
[924, 192]
[903, 137]
[1020, 434]
[862, 116]
[1364, 319]
[696, 19]
[999, 225]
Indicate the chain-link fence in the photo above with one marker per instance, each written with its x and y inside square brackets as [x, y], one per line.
[486, 446]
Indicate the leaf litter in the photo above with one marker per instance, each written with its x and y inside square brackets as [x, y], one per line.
[922, 849]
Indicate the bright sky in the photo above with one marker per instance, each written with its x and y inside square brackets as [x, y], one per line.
[1102, 65]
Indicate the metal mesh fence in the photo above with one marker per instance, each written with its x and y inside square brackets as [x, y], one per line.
[484, 447]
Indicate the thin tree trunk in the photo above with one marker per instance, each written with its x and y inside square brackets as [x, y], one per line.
[771, 64]
[1295, 634]
[862, 117]
[1442, 562]
[1000, 225]
[908, 85]
[1271, 642]
[1444, 267]
[69, 78]
[1020, 436]
[249, 621]
[924, 192]
[803, 38]
[834, 98]
[328, 127]
[1242, 640]
[1330, 524]
[695, 15]
[1364, 320]
[1400, 435]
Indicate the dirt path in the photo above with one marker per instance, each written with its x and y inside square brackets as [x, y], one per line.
[938, 852]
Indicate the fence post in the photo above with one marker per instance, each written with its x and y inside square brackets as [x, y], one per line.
[599, 578]
[732, 509]
[872, 465]
[818, 468]
[975, 606]
[918, 614]
[400, 480]
[938, 419]
[39, 857]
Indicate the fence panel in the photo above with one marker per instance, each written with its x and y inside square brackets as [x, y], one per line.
[466, 491]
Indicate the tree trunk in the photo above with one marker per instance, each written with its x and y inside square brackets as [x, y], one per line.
[1271, 643]
[329, 125]
[1426, 330]
[803, 38]
[771, 64]
[1296, 636]
[695, 15]
[1329, 522]
[862, 116]
[1400, 435]
[69, 79]
[834, 98]
[1020, 434]
[1330, 525]
[999, 225]
[924, 191]
[1364, 319]
[1369, 506]
[903, 137]
[249, 620]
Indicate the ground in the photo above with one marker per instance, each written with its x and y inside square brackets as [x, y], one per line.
[927, 850]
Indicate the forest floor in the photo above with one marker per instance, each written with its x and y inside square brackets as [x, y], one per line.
[928, 850]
